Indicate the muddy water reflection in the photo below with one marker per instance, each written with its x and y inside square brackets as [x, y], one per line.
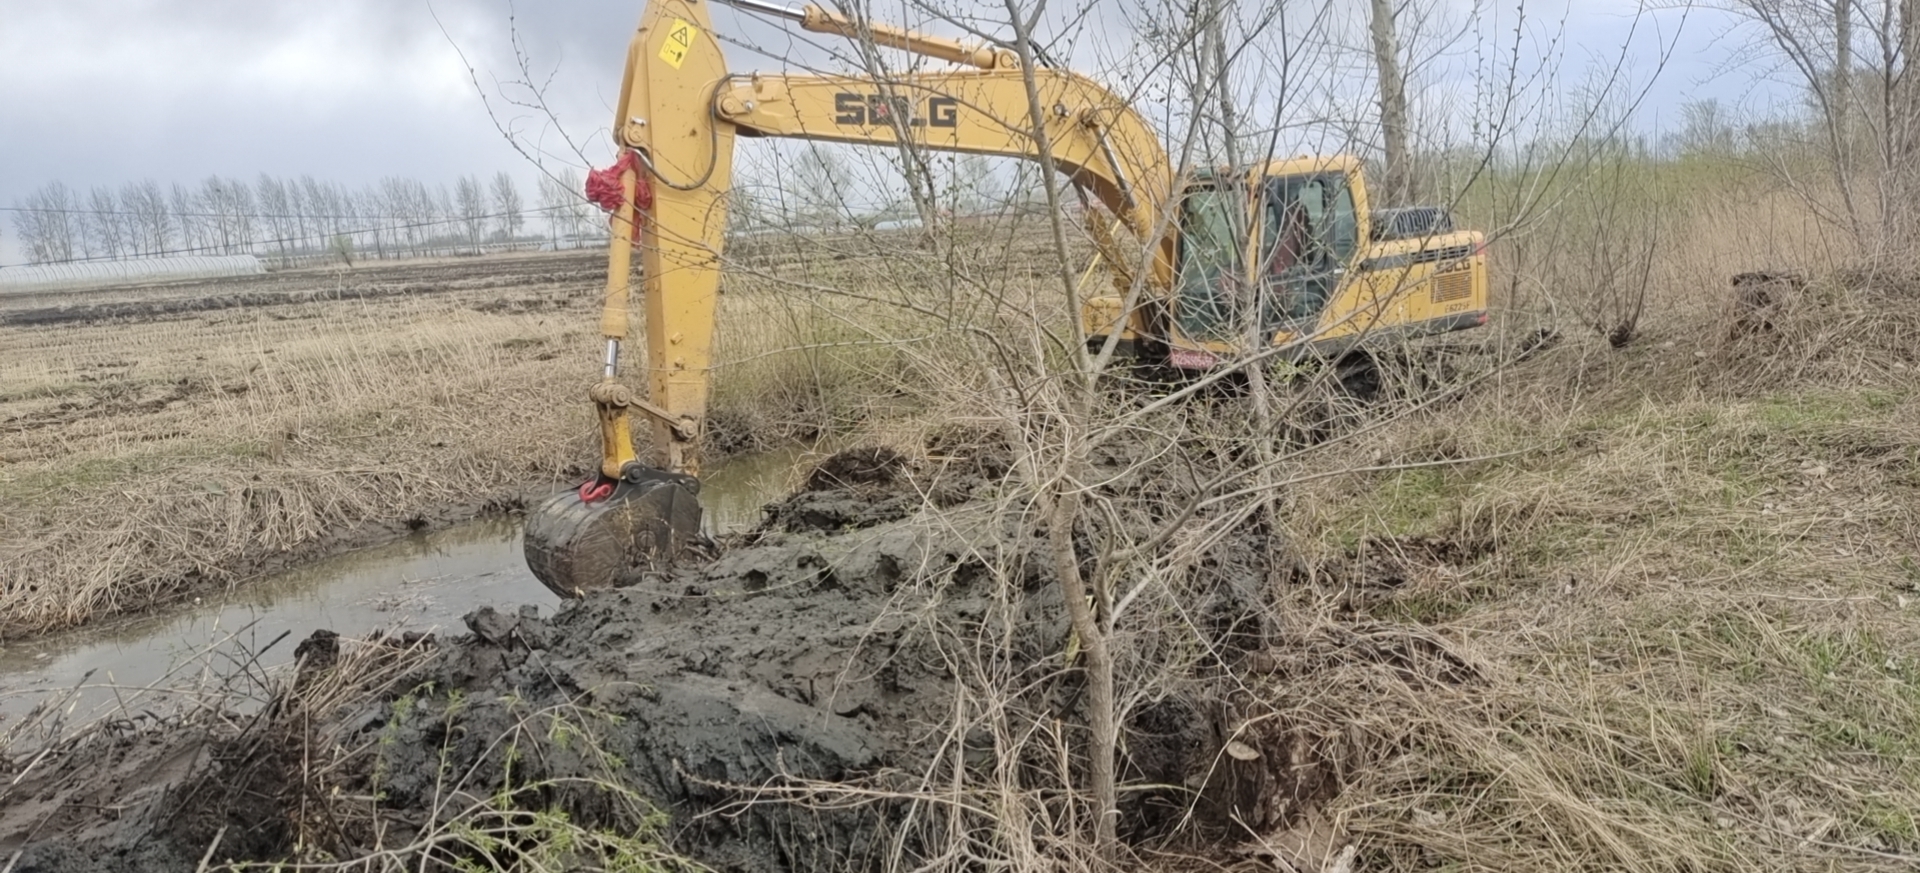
[420, 582]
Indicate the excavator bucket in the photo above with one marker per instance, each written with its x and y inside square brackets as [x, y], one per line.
[599, 534]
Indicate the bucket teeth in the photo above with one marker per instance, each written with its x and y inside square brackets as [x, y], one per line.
[574, 546]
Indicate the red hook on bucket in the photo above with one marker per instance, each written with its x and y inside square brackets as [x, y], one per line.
[598, 489]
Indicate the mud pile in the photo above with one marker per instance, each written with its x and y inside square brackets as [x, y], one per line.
[824, 649]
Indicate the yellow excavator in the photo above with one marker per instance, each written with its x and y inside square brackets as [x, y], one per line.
[1286, 258]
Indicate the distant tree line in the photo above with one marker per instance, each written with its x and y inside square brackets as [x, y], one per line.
[286, 217]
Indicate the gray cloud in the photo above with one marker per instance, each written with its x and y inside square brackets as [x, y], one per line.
[98, 92]
[109, 91]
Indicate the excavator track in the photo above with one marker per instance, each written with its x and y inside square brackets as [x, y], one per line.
[575, 545]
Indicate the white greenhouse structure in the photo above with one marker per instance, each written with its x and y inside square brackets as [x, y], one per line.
[43, 277]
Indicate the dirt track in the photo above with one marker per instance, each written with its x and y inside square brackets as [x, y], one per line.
[141, 378]
[371, 281]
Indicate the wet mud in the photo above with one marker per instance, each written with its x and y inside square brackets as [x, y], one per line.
[820, 651]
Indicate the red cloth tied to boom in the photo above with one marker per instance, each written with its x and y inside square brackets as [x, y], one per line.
[603, 188]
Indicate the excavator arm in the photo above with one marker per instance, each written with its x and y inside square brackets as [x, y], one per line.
[1091, 134]
[678, 113]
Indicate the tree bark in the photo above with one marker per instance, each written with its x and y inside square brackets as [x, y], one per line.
[1904, 136]
[1101, 721]
[1843, 74]
[1398, 186]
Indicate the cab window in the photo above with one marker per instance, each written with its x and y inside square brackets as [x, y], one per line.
[1209, 262]
[1346, 223]
[1310, 231]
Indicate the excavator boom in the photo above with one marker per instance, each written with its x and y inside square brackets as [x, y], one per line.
[819, 20]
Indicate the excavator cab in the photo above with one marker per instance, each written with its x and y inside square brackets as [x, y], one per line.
[1287, 255]
[1261, 255]
[1212, 292]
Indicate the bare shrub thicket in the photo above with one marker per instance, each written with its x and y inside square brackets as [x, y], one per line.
[1852, 161]
[1596, 249]
[1141, 500]
[1156, 513]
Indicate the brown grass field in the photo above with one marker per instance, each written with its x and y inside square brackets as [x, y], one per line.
[1682, 602]
[162, 439]
[1691, 603]
[146, 454]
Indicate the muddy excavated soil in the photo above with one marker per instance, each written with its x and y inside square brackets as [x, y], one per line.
[830, 647]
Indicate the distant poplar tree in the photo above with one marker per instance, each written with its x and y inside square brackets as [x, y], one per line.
[471, 207]
[507, 209]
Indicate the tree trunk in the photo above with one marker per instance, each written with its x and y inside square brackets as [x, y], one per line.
[1398, 186]
[1843, 75]
[1904, 136]
[1101, 722]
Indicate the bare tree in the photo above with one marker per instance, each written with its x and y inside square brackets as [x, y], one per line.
[63, 234]
[163, 231]
[972, 188]
[1706, 129]
[102, 230]
[373, 206]
[191, 224]
[552, 199]
[440, 210]
[48, 224]
[471, 208]
[507, 208]
[580, 214]
[295, 225]
[1398, 183]
[1900, 196]
[215, 217]
[408, 208]
[1843, 75]
[277, 210]
[1816, 40]
[321, 209]
[228, 214]
[245, 215]
[130, 233]
[746, 210]
[818, 186]
[26, 226]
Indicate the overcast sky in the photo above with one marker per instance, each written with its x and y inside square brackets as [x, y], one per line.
[108, 91]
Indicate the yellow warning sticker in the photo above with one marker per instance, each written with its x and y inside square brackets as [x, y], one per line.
[679, 42]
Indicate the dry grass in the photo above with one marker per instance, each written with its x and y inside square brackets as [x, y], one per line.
[875, 335]
[1689, 606]
[154, 458]
[140, 460]
[1672, 628]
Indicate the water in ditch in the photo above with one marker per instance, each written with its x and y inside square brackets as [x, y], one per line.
[423, 582]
